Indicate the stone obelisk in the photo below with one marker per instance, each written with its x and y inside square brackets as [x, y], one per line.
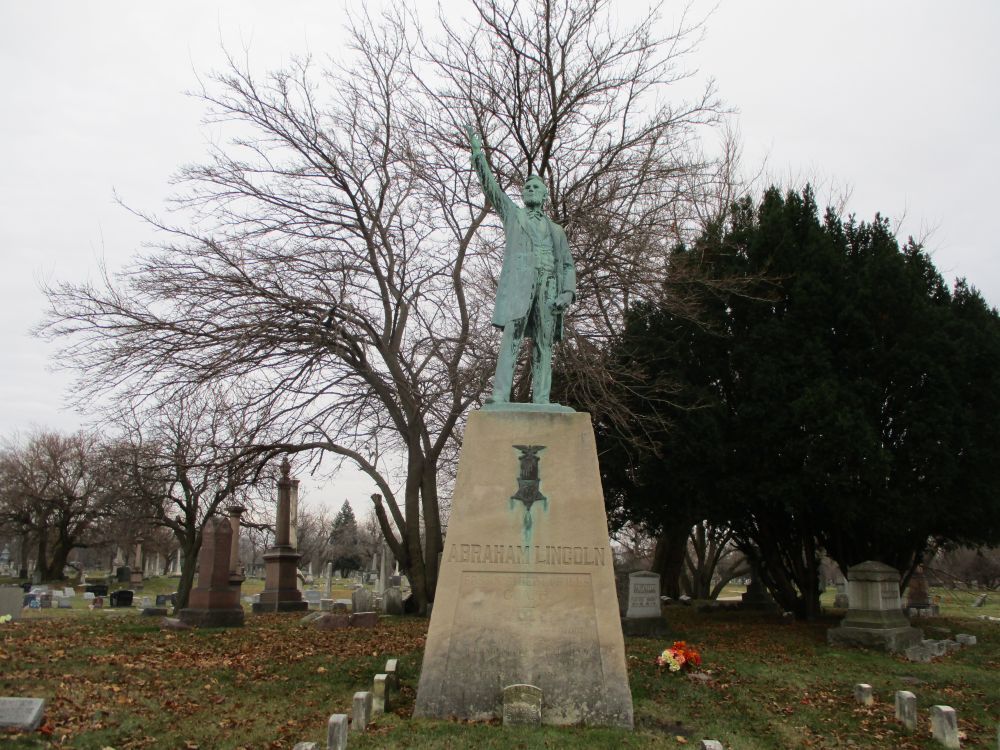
[281, 592]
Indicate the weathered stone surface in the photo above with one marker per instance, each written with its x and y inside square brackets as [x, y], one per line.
[11, 601]
[361, 600]
[875, 619]
[392, 601]
[361, 711]
[306, 746]
[364, 619]
[863, 694]
[522, 705]
[919, 653]
[155, 612]
[326, 605]
[944, 726]
[965, 639]
[310, 618]
[526, 590]
[332, 621]
[711, 745]
[336, 732]
[938, 648]
[21, 713]
[380, 695]
[906, 709]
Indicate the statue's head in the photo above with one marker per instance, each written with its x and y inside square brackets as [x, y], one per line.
[533, 192]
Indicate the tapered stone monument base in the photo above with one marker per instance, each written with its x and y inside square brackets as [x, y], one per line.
[526, 592]
[281, 592]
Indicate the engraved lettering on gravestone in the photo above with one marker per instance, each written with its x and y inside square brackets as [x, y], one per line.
[527, 483]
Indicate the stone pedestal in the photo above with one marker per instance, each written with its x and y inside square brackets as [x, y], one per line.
[875, 618]
[526, 593]
[213, 602]
[281, 585]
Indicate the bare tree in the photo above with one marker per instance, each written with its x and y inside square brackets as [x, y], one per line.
[339, 262]
[53, 490]
[186, 460]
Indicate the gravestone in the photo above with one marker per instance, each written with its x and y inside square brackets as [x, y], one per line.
[918, 598]
[336, 732]
[123, 574]
[361, 711]
[362, 619]
[392, 601]
[875, 619]
[944, 726]
[97, 589]
[11, 601]
[122, 598]
[642, 615]
[526, 590]
[380, 695]
[906, 709]
[361, 600]
[863, 694]
[710, 745]
[21, 713]
[980, 601]
[214, 603]
[392, 672]
[522, 706]
[326, 605]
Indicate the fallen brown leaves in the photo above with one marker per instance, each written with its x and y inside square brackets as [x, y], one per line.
[104, 676]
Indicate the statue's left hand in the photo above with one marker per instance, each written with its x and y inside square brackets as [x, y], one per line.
[562, 302]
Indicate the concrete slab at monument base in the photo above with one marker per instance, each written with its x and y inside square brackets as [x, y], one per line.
[212, 618]
[526, 592]
[883, 639]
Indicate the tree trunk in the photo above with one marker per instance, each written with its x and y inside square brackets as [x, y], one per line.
[25, 552]
[189, 562]
[668, 558]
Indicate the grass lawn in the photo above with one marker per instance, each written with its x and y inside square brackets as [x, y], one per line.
[115, 680]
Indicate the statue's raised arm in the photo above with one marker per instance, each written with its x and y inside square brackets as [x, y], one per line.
[500, 200]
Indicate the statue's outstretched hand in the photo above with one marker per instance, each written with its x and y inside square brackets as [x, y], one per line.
[474, 139]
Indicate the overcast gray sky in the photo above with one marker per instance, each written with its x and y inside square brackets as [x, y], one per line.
[893, 100]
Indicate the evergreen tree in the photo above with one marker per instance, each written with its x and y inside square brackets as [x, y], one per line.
[840, 402]
[345, 539]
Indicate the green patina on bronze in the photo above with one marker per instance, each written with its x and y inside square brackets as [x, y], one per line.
[537, 281]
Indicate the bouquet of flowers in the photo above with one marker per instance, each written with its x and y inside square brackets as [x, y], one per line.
[679, 657]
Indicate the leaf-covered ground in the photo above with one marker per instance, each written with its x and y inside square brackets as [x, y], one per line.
[118, 681]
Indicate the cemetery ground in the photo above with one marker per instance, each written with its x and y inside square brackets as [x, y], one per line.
[113, 679]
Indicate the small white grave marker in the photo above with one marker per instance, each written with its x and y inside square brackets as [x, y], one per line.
[906, 709]
[944, 726]
[336, 732]
[361, 713]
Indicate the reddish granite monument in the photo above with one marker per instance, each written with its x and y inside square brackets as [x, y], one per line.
[281, 592]
[214, 602]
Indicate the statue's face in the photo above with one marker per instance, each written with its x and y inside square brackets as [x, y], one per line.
[534, 193]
